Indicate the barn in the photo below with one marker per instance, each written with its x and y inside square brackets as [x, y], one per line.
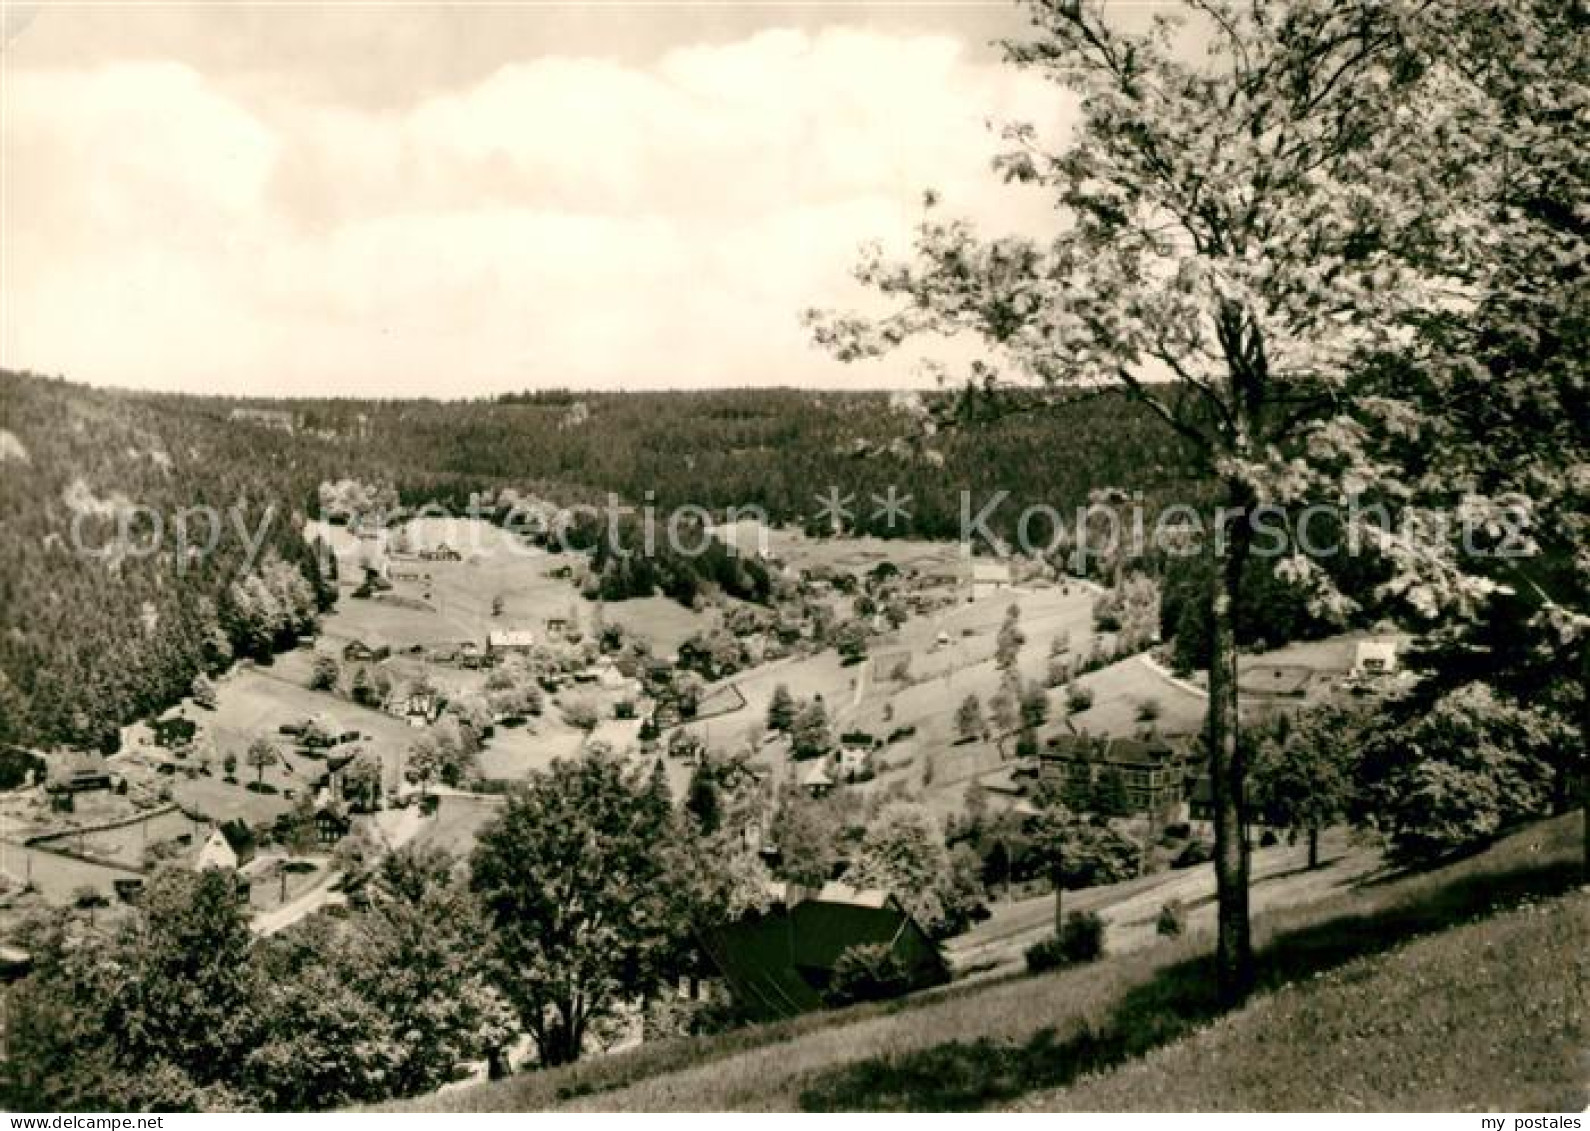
[778, 962]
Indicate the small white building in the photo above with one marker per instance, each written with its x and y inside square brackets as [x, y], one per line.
[1372, 658]
[817, 780]
[987, 577]
[500, 641]
[215, 852]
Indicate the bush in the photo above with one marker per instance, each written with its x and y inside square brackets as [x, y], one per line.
[260, 787]
[1196, 852]
[1177, 830]
[1080, 940]
[1172, 922]
[1078, 698]
[1268, 839]
[18, 766]
[871, 972]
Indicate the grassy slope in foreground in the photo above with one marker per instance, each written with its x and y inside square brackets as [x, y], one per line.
[1493, 1015]
[992, 1045]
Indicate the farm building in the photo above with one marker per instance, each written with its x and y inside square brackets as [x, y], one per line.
[854, 762]
[558, 626]
[1153, 770]
[358, 652]
[986, 577]
[215, 852]
[441, 552]
[817, 780]
[331, 824]
[779, 962]
[502, 641]
[1373, 658]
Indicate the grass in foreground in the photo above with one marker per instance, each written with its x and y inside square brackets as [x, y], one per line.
[1492, 1015]
[1035, 1035]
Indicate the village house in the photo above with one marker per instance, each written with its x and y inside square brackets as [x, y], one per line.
[507, 641]
[420, 708]
[331, 824]
[1374, 658]
[986, 577]
[855, 762]
[215, 852]
[358, 652]
[817, 781]
[558, 627]
[441, 552]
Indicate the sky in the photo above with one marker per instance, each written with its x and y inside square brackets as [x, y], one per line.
[402, 199]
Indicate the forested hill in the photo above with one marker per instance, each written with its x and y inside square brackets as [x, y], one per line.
[772, 448]
[89, 641]
[90, 637]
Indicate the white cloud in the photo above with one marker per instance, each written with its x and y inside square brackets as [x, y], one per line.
[564, 220]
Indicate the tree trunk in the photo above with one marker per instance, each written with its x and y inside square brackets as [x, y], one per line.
[1058, 879]
[1234, 946]
[1584, 755]
[1313, 847]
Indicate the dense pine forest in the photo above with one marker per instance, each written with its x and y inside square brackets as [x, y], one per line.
[91, 639]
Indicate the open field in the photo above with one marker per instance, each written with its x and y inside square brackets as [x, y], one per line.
[992, 1044]
[59, 877]
[1120, 692]
[848, 554]
[514, 753]
[458, 820]
[124, 845]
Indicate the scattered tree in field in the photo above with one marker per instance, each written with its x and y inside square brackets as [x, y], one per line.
[326, 674]
[569, 953]
[1078, 698]
[781, 710]
[362, 782]
[1305, 771]
[1034, 706]
[969, 721]
[581, 713]
[1008, 642]
[261, 755]
[810, 735]
[1148, 710]
[1004, 710]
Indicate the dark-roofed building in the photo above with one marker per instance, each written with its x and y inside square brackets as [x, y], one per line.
[1153, 770]
[779, 962]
